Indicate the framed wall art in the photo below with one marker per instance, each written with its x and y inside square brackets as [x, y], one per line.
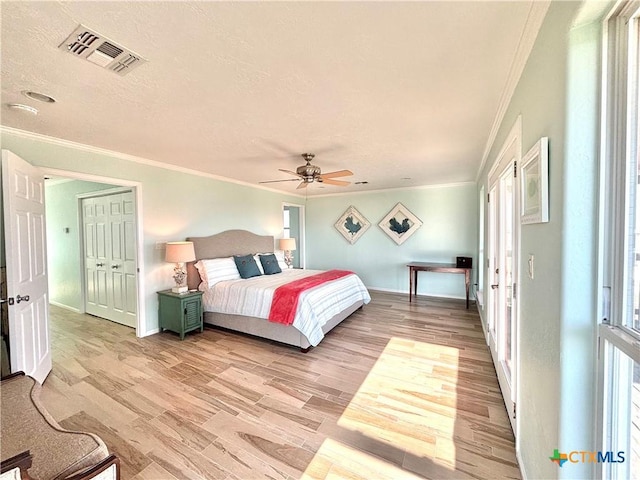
[534, 186]
[400, 224]
[352, 225]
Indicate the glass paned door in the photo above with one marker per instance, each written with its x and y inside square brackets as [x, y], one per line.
[502, 271]
[506, 255]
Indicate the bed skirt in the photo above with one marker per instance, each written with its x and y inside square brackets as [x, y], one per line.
[260, 327]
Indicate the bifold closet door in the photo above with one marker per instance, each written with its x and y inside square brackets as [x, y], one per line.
[110, 262]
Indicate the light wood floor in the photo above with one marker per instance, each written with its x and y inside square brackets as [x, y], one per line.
[398, 390]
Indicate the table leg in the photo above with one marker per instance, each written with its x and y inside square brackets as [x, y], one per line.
[467, 282]
[410, 283]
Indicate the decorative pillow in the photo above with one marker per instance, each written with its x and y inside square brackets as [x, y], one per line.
[270, 264]
[247, 266]
[217, 270]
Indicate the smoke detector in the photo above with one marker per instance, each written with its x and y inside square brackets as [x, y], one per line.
[96, 48]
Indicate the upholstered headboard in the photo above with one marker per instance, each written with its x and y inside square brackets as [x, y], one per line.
[226, 244]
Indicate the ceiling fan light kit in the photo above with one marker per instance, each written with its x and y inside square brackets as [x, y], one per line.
[310, 173]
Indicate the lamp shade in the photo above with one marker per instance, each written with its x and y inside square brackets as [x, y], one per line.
[288, 244]
[180, 252]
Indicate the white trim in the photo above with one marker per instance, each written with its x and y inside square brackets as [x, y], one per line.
[175, 168]
[622, 341]
[66, 307]
[529, 35]
[51, 181]
[303, 229]
[136, 187]
[104, 193]
[385, 190]
[511, 151]
[523, 472]
[513, 140]
[132, 158]
[617, 147]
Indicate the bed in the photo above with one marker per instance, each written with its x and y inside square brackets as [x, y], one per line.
[242, 242]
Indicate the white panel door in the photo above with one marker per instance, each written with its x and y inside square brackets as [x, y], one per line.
[27, 289]
[95, 261]
[110, 260]
[122, 268]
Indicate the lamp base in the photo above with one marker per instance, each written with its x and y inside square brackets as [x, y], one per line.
[180, 289]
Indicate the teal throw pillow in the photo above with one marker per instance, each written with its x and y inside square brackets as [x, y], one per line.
[270, 264]
[247, 266]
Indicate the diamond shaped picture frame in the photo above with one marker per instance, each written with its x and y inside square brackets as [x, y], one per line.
[400, 224]
[352, 225]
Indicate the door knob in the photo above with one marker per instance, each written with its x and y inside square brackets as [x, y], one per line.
[495, 286]
[115, 266]
[99, 264]
[22, 299]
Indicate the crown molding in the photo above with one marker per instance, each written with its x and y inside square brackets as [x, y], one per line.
[386, 190]
[154, 163]
[132, 158]
[537, 12]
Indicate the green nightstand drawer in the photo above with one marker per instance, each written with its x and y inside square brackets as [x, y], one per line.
[180, 313]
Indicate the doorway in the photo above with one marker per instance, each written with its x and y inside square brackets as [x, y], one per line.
[293, 227]
[107, 286]
[502, 272]
[23, 293]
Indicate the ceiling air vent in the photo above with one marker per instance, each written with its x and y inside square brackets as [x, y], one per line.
[98, 49]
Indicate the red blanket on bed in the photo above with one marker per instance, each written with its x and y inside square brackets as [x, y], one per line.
[285, 298]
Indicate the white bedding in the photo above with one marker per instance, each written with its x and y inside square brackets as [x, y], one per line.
[252, 297]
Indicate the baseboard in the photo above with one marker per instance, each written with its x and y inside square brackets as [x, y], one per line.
[150, 332]
[406, 292]
[523, 473]
[66, 307]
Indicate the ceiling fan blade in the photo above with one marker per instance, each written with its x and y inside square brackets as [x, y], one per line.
[290, 172]
[340, 183]
[302, 185]
[339, 173]
[286, 180]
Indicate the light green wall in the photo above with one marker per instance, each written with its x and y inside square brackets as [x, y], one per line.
[174, 204]
[450, 219]
[557, 97]
[63, 248]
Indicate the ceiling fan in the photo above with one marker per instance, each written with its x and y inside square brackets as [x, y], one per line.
[311, 173]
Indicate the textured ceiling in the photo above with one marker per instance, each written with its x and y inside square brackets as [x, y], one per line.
[401, 93]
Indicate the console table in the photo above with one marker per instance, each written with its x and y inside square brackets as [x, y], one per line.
[415, 267]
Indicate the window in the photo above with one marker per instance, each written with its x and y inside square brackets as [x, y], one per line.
[619, 333]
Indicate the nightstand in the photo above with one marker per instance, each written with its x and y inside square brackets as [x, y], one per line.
[180, 313]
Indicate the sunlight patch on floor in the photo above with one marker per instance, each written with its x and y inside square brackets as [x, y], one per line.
[403, 401]
[336, 460]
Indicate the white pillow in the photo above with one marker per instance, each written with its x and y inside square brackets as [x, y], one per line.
[280, 257]
[256, 257]
[217, 270]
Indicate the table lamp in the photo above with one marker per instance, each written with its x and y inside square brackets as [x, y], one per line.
[180, 253]
[288, 245]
